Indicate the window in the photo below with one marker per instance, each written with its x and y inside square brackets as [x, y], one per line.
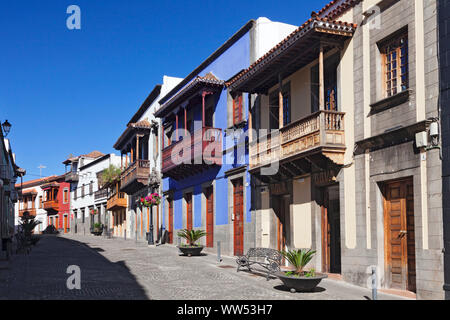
[66, 195]
[395, 64]
[91, 188]
[75, 193]
[237, 109]
[40, 202]
[82, 191]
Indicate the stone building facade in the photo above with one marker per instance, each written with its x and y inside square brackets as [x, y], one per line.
[359, 176]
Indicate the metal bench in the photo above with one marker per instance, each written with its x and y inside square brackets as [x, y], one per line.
[269, 259]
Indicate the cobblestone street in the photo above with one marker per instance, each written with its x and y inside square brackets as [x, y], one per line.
[119, 269]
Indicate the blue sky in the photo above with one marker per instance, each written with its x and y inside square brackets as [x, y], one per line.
[73, 91]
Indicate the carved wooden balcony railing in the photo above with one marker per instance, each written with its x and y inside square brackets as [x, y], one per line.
[100, 194]
[135, 176]
[323, 129]
[51, 205]
[31, 211]
[117, 200]
[71, 177]
[195, 154]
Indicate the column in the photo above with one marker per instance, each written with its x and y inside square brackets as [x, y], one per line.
[321, 80]
[280, 101]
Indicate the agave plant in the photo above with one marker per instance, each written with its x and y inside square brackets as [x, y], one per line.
[28, 224]
[191, 236]
[299, 258]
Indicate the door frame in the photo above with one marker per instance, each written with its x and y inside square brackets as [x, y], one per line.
[387, 253]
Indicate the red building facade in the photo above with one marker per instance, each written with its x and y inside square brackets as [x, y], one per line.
[57, 203]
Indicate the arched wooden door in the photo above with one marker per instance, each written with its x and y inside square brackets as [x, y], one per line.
[238, 210]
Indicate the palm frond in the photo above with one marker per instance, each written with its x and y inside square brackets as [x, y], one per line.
[191, 236]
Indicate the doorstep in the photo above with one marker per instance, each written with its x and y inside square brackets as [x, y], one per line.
[401, 293]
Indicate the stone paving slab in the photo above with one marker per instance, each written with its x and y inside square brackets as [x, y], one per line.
[124, 269]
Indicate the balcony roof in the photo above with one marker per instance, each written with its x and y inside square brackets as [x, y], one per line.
[297, 50]
[132, 128]
[209, 81]
[50, 185]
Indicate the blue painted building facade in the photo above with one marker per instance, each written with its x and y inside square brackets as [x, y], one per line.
[202, 100]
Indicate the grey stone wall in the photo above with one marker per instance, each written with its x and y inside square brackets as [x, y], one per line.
[398, 161]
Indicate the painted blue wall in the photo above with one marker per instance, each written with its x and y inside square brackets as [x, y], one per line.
[232, 61]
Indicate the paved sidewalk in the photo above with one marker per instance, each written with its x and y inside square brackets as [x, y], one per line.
[119, 269]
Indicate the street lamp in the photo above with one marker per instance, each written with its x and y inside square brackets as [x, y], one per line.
[6, 127]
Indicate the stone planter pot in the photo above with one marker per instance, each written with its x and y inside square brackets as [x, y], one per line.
[301, 284]
[191, 251]
[97, 232]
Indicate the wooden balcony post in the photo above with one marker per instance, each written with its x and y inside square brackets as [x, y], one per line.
[121, 160]
[203, 108]
[321, 80]
[176, 126]
[280, 101]
[137, 147]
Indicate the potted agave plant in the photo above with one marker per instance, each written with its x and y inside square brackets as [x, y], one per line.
[191, 248]
[98, 229]
[300, 279]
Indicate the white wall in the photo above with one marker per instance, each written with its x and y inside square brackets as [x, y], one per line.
[85, 176]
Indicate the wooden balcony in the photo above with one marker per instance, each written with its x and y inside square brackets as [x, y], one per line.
[31, 212]
[100, 194]
[193, 155]
[135, 176]
[321, 133]
[71, 177]
[51, 205]
[117, 201]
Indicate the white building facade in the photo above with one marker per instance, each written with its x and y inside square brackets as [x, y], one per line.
[88, 200]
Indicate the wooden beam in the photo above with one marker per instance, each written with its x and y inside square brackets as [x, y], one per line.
[280, 101]
[321, 80]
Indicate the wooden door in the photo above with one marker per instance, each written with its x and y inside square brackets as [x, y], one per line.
[209, 217]
[188, 211]
[170, 222]
[281, 224]
[65, 224]
[238, 210]
[331, 230]
[400, 235]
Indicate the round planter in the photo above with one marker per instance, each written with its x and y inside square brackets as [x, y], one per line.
[301, 284]
[191, 251]
[97, 232]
